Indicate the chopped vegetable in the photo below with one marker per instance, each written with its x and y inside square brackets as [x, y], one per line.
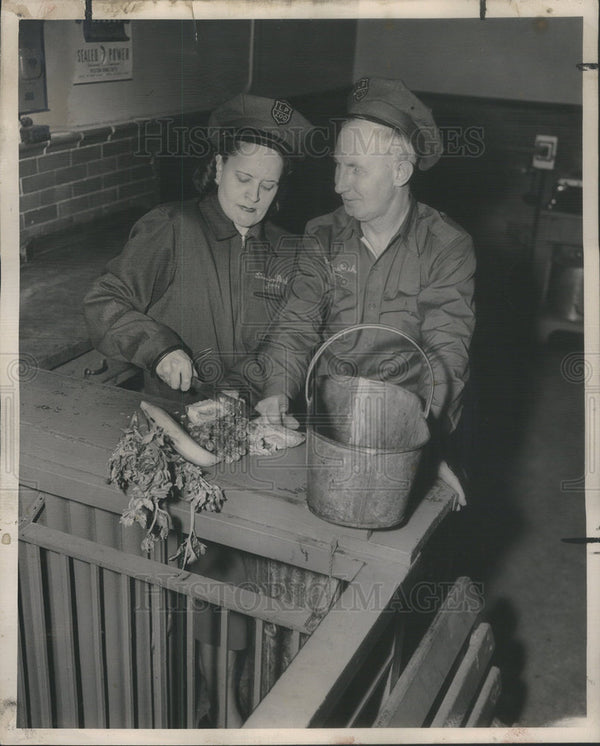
[221, 426]
[265, 438]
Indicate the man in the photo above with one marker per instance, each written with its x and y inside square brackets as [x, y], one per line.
[381, 258]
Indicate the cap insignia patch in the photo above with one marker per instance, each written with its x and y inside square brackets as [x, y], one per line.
[361, 88]
[281, 112]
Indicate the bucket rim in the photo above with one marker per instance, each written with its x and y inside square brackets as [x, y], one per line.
[367, 449]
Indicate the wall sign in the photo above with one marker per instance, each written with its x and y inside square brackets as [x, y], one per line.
[102, 61]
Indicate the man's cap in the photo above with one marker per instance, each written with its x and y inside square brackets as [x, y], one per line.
[390, 102]
[268, 121]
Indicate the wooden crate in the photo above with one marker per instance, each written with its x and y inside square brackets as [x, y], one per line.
[84, 642]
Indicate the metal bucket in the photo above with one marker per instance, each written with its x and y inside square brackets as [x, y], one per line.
[364, 447]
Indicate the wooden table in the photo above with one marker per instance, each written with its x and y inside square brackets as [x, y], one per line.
[69, 428]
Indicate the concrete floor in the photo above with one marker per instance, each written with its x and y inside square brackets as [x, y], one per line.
[546, 651]
[523, 432]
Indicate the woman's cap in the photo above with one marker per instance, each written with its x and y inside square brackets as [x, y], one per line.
[268, 121]
[391, 103]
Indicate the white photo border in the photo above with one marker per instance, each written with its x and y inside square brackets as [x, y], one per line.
[15, 10]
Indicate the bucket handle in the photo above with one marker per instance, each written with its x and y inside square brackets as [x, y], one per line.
[360, 327]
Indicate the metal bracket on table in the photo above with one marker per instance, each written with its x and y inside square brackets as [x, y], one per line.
[97, 371]
[32, 512]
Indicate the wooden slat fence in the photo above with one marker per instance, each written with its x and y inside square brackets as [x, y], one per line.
[107, 634]
[107, 638]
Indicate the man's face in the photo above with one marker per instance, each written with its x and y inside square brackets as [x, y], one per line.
[364, 174]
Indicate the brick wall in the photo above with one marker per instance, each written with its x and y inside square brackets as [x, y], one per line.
[78, 177]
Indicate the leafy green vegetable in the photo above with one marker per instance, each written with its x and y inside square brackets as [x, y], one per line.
[150, 472]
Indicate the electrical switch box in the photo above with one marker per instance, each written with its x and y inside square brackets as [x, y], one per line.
[32, 68]
[544, 152]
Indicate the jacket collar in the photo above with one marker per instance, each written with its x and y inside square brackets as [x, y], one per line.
[221, 226]
[406, 232]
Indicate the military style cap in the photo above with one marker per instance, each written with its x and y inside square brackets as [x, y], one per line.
[389, 102]
[267, 121]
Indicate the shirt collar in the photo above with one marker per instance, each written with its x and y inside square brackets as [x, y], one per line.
[350, 227]
[221, 226]
[405, 233]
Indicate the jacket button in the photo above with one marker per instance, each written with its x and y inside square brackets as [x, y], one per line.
[372, 306]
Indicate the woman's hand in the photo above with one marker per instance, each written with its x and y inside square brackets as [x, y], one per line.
[273, 410]
[176, 370]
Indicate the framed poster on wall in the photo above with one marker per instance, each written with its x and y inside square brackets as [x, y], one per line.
[104, 53]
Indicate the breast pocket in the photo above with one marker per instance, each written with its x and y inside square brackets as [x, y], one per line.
[265, 301]
[344, 309]
[344, 293]
[269, 292]
[401, 305]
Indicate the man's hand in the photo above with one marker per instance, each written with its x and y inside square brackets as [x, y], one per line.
[274, 409]
[176, 370]
[446, 474]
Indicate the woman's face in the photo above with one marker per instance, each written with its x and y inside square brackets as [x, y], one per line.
[248, 182]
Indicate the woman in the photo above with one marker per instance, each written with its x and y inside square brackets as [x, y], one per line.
[204, 275]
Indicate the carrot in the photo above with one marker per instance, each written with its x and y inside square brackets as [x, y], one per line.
[182, 442]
